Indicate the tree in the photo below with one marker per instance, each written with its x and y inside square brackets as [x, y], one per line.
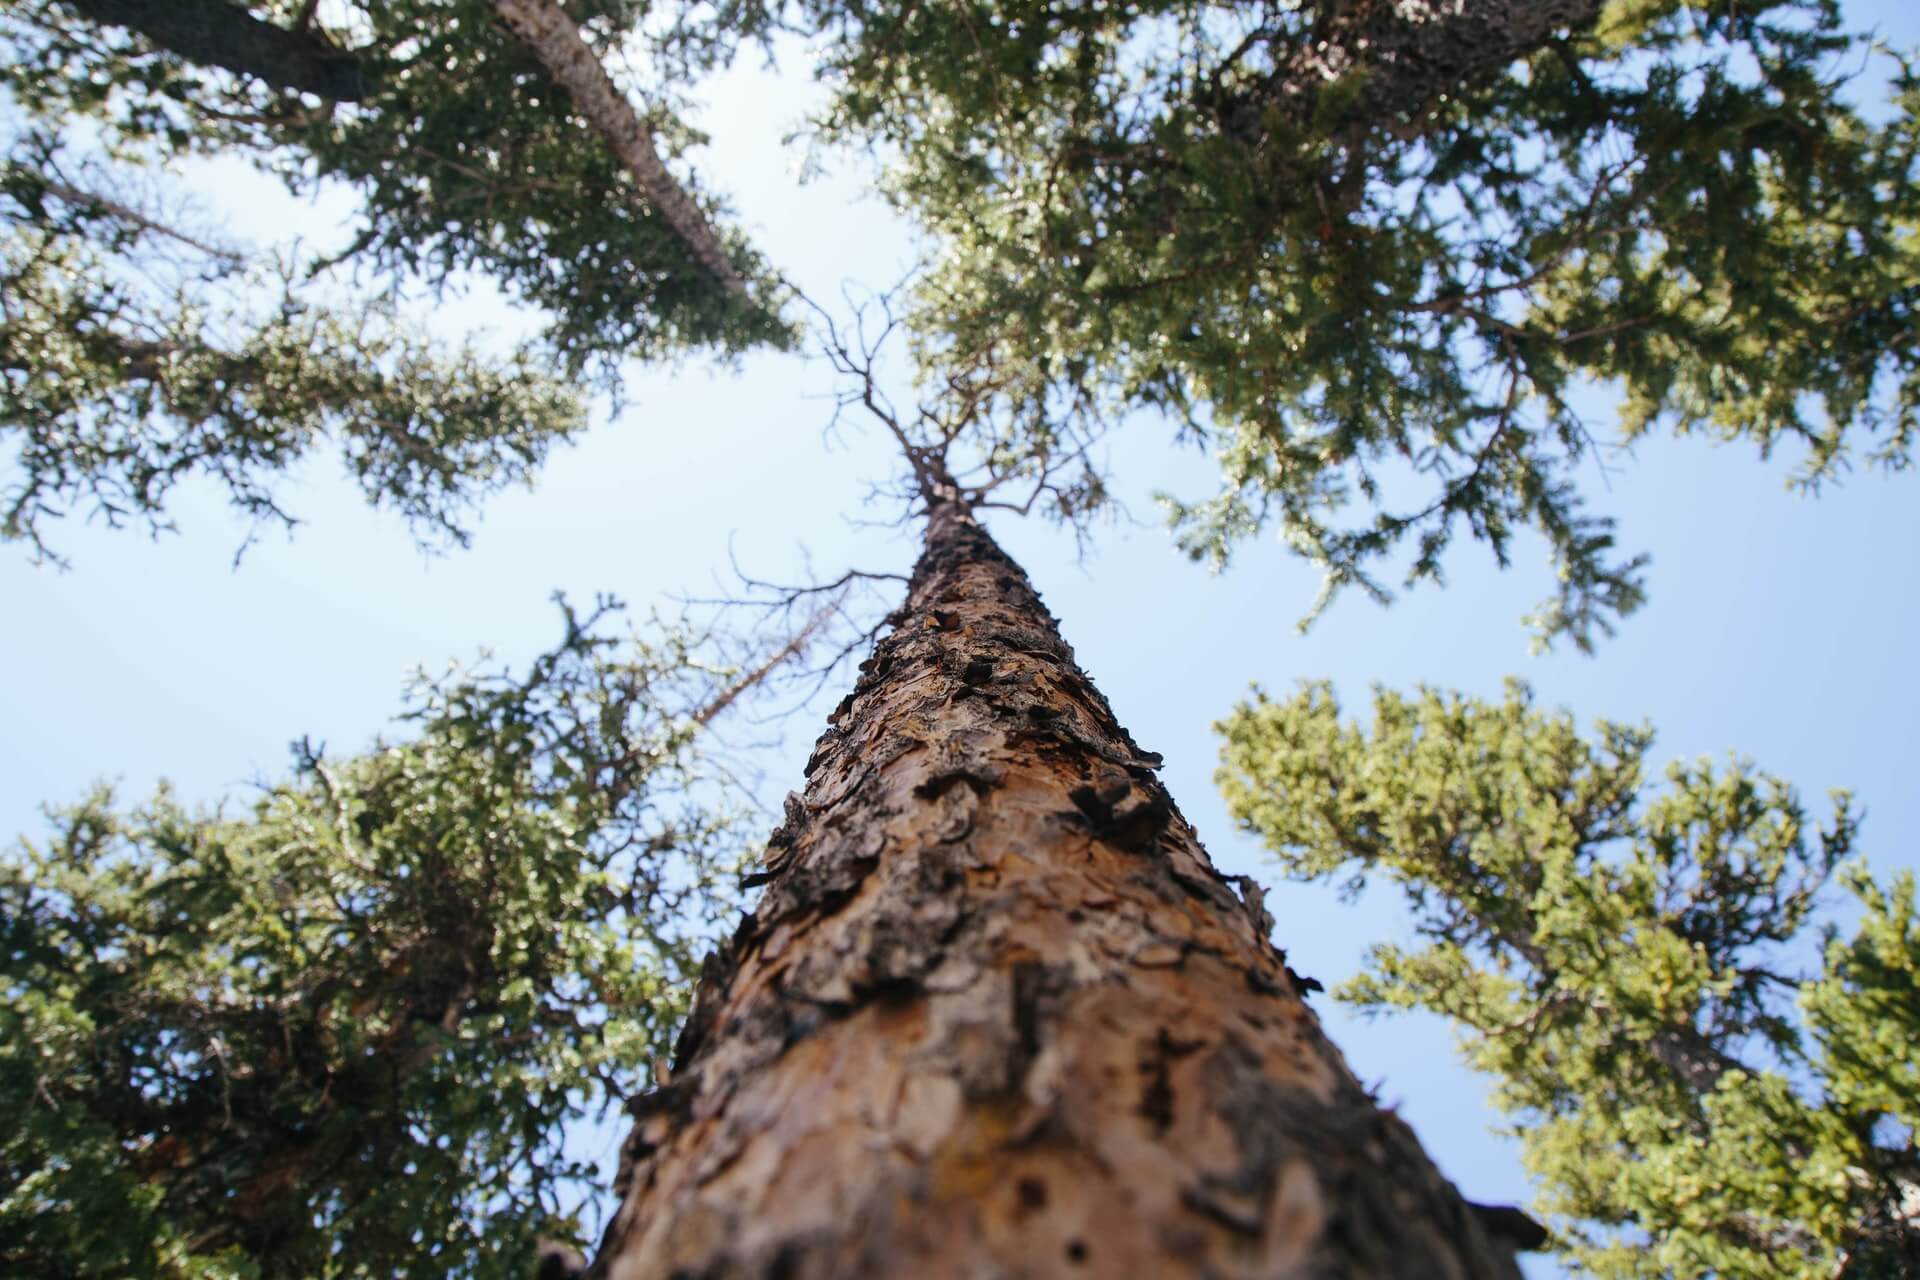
[1625, 961]
[344, 1033]
[996, 1011]
[1243, 1143]
[136, 354]
[136, 357]
[1370, 252]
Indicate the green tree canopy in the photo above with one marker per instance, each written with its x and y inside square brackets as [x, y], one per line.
[1370, 252]
[342, 1033]
[465, 152]
[134, 353]
[1701, 1088]
[134, 357]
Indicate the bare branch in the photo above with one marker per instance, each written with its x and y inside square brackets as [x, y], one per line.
[792, 649]
[967, 442]
[93, 200]
[858, 625]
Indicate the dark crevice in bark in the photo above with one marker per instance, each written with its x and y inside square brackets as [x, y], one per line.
[1506, 1222]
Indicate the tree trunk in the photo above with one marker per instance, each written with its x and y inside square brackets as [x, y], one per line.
[998, 1016]
[555, 39]
[1408, 55]
[220, 33]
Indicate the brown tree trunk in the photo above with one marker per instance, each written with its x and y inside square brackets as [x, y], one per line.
[998, 1016]
[555, 40]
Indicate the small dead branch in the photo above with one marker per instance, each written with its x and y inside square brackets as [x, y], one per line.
[979, 440]
[847, 612]
[93, 201]
[793, 650]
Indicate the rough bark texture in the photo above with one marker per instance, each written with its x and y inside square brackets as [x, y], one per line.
[218, 33]
[998, 1016]
[554, 38]
[1408, 55]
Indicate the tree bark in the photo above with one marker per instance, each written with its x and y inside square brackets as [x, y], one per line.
[546, 29]
[1406, 55]
[998, 1016]
[218, 33]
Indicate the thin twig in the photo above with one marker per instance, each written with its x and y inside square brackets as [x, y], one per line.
[80, 199]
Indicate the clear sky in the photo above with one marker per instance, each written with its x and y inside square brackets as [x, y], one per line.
[1780, 627]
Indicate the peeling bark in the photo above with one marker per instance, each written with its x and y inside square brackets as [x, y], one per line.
[997, 1015]
[555, 40]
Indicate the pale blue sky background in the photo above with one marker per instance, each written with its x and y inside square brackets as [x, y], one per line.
[1780, 627]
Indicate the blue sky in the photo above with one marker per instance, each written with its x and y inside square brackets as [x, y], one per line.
[1780, 627]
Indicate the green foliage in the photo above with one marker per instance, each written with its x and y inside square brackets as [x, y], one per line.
[133, 358]
[466, 154]
[1381, 288]
[470, 159]
[1622, 960]
[341, 1034]
[134, 355]
[1368, 259]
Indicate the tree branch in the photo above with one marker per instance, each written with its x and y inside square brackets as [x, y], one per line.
[1405, 55]
[555, 40]
[91, 201]
[219, 33]
[791, 649]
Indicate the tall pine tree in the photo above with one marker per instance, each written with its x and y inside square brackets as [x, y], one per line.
[1362, 246]
[997, 1013]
